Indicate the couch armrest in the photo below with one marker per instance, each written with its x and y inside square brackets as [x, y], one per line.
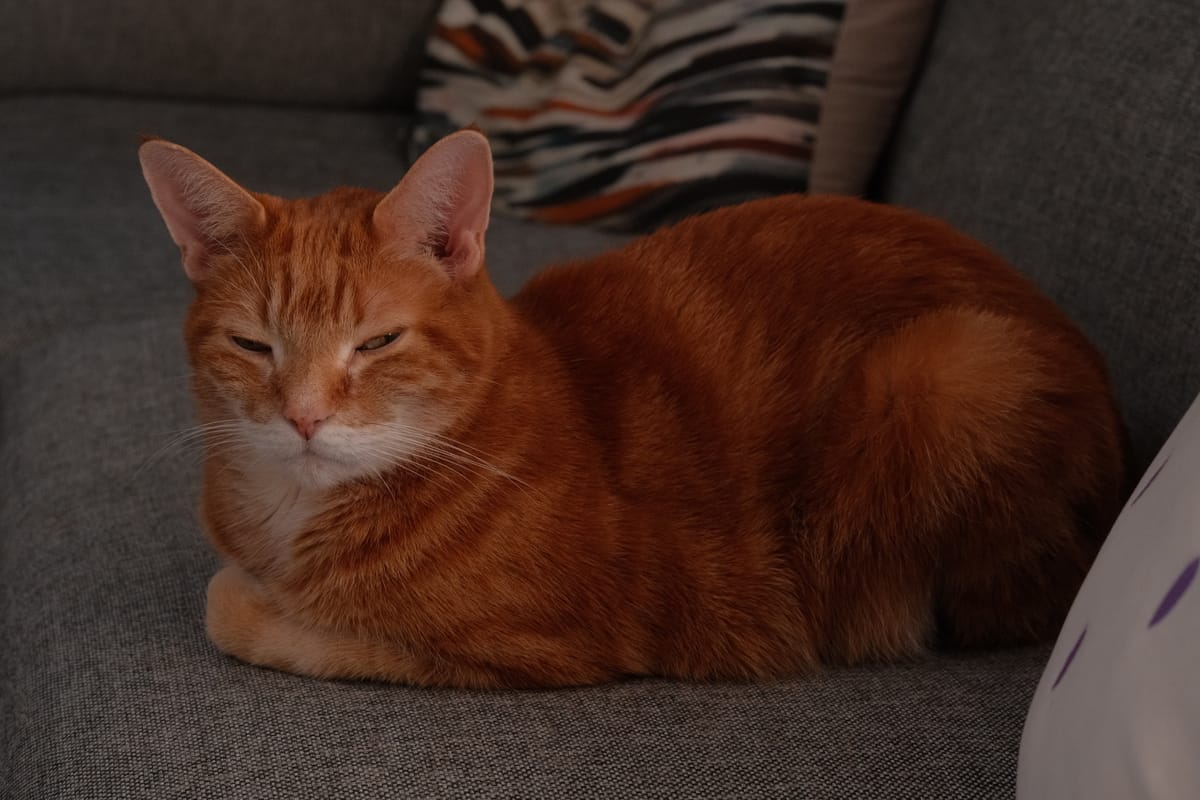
[323, 52]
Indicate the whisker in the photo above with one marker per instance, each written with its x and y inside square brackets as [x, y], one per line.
[463, 468]
[405, 453]
[451, 448]
[226, 433]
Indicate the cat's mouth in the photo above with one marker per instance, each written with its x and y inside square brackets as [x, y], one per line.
[310, 454]
[316, 468]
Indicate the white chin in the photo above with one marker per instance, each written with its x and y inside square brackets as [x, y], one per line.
[316, 472]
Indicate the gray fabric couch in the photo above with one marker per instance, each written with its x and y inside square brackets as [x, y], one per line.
[1062, 134]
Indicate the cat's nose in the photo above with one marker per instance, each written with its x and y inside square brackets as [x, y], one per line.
[306, 423]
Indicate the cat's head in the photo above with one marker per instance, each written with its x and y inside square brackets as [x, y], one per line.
[333, 338]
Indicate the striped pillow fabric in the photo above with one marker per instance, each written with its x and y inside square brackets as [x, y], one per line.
[628, 114]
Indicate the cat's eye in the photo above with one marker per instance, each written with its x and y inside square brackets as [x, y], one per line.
[376, 342]
[251, 345]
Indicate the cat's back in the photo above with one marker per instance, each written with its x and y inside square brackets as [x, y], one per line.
[775, 280]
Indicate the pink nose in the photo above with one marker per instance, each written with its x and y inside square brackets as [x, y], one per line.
[306, 424]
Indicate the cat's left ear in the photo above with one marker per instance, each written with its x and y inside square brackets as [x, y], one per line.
[442, 205]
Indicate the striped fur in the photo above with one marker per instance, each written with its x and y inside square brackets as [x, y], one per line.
[627, 114]
[803, 430]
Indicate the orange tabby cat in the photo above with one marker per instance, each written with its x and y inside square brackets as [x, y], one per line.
[797, 431]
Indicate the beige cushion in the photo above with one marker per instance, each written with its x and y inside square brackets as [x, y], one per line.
[877, 51]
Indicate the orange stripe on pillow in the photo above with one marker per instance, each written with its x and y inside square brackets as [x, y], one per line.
[592, 207]
[463, 40]
[634, 109]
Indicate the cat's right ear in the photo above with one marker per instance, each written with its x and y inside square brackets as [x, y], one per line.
[202, 207]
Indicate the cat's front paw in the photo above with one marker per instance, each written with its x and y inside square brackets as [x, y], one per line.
[237, 613]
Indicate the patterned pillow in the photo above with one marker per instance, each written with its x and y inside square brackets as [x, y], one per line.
[628, 114]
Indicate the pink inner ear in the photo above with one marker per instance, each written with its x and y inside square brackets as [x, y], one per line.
[200, 205]
[181, 224]
[463, 255]
[442, 206]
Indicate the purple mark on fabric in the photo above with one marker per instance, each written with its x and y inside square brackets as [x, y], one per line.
[1070, 658]
[1152, 477]
[1176, 591]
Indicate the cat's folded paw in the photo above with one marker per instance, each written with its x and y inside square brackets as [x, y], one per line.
[236, 613]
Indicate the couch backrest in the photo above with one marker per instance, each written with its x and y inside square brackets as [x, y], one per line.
[327, 52]
[1067, 136]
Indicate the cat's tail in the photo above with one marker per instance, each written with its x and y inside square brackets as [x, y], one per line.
[976, 452]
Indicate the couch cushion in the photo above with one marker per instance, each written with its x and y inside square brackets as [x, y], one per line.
[108, 687]
[81, 241]
[1064, 135]
[344, 52]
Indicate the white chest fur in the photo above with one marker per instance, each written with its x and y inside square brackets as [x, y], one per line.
[280, 510]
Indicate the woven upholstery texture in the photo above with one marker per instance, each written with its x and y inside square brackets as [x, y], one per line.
[326, 52]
